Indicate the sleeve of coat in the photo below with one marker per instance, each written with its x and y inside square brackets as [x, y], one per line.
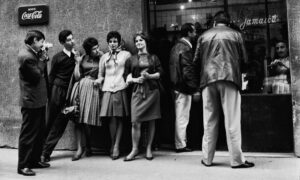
[189, 69]
[158, 67]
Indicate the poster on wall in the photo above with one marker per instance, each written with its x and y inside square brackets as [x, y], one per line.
[33, 15]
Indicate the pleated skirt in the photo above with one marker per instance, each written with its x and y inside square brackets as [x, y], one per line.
[89, 102]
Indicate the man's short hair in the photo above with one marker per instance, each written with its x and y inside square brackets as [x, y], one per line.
[113, 34]
[222, 17]
[186, 28]
[62, 37]
[33, 34]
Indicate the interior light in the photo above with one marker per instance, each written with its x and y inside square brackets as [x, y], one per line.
[190, 0]
[182, 7]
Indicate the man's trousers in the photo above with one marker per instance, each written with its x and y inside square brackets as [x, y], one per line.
[31, 136]
[225, 95]
[182, 115]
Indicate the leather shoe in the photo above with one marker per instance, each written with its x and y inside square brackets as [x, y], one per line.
[185, 149]
[40, 165]
[246, 164]
[207, 165]
[26, 172]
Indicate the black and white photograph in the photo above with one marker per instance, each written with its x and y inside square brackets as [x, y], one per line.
[150, 89]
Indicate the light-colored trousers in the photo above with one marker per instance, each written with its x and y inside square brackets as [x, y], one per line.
[225, 95]
[182, 114]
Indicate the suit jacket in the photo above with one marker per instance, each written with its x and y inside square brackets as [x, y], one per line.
[33, 79]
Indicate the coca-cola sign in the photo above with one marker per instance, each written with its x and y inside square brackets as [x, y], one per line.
[33, 15]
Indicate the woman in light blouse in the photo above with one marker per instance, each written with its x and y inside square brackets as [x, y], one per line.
[114, 106]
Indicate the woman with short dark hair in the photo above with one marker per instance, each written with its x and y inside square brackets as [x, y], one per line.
[110, 78]
[86, 71]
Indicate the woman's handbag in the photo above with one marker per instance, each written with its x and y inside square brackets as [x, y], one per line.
[72, 100]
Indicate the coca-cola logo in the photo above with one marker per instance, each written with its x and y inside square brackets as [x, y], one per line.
[32, 15]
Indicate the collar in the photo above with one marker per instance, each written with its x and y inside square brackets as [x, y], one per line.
[188, 42]
[34, 51]
[68, 53]
[113, 54]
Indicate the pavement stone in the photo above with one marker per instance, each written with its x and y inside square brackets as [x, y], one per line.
[166, 165]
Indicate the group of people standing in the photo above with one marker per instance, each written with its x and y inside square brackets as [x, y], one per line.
[99, 82]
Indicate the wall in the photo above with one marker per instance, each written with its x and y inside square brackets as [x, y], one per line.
[293, 12]
[85, 18]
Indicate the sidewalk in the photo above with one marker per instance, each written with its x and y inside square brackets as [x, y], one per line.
[166, 165]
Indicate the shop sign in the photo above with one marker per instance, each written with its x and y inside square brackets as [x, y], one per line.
[259, 21]
[33, 15]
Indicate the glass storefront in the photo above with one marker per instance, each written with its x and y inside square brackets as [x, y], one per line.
[266, 117]
[262, 22]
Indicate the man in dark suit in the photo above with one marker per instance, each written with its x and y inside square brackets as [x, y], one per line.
[33, 98]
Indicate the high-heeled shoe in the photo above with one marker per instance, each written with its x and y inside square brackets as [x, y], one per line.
[149, 158]
[76, 157]
[114, 157]
[131, 158]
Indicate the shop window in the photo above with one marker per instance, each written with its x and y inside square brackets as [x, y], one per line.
[262, 23]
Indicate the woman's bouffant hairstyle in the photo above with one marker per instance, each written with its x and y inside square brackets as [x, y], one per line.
[62, 37]
[88, 44]
[114, 34]
[143, 36]
[33, 34]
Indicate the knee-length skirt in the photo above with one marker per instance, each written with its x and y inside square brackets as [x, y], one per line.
[114, 104]
[89, 102]
[145, 106]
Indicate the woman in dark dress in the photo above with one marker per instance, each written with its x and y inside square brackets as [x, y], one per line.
[143, 71]
[86, 71]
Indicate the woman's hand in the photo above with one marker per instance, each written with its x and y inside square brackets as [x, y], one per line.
[98, 83]
[145, 75]
[77, 57]
[138, 80]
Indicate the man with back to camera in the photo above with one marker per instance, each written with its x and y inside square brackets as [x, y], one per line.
[183, 83]
[220, 53]
[62, 68]
[33, 99]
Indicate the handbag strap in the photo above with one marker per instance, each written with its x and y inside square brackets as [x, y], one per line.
[70, 87]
